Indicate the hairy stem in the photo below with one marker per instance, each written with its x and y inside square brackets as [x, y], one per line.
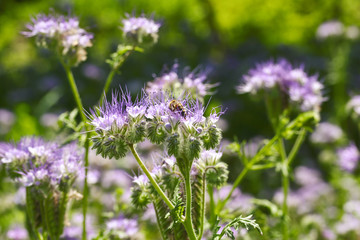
[212, 205]
[203, 203]
[188, 214]
[87, 142]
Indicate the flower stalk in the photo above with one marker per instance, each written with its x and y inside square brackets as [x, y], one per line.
[79, 104]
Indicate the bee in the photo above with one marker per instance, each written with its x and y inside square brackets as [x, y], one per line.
[176, 106]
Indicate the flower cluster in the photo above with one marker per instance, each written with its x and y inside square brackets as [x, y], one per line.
[61, 34]
[348, 157]
[37, 163]
[295, 83]
[193, 83]
[179, 124]
[140, 29]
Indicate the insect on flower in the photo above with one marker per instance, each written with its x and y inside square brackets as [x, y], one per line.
[176, 106]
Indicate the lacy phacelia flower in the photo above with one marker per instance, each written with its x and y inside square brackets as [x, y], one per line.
[35, 162]
[348, 157]
[193, 83]
[61, 34]
[326, 133]
[140, 29]
[300, 88]
[180, 124]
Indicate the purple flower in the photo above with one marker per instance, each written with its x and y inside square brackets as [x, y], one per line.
[307, 176]
[17, 233]
[64, 32]
[117, 178]
[348, 157]
[36, 161]
[140, 27]
[326, 133]
[300, 88]
[123, 227]
[141, 180]
[193, 83]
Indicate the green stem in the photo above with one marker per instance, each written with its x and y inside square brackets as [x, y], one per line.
[188, 214]
[242, 174]
[285, 185]
[212, 204]
[112, 73]
[202, 215]
[188, 225]
[299, 140]
[107, 85]
[87, 141]
[152, 180]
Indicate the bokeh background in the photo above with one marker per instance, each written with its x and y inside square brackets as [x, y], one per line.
[228, 37]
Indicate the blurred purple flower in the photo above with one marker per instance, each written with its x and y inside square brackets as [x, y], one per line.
[123, 227]
[64, 32]
[140, 27]
[193, 83]
[326, 133]
[7, 119]
[348, 157]
[116, 178]
[17, 233]
[348, 223]
[330, 29]
[307, 176]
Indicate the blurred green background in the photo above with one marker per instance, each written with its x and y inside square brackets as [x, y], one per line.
[227, 36]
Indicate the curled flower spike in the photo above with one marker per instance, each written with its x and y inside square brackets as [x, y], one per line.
[61, 34]
[140, 29]
[300, 89]
[177, 123]
[194, 83]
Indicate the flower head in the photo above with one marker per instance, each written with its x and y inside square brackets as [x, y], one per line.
[140, 28]
[194, 83]
[37, 162]
[62, 34]
[300, 89]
